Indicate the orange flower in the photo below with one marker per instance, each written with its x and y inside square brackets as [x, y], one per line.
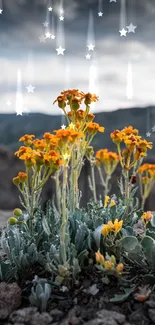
[47, 136]
[117, 136]
[90, 117]
[90, 98]
[39, 144]
[99, 257]
[27, 139]
[130, 130]
[144, 145]
[146, 217]
[22, 176]
[22, 150]
[94, 127]
[119, 268]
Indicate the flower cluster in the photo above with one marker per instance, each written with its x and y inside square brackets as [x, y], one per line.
[146, 174]
[107, 202]
[135, 146]
[109, 264]
[111, 227]
[109, 160]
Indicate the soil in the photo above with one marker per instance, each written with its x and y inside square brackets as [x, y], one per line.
[80, 305]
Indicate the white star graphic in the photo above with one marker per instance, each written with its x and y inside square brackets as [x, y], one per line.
[91, 47]
[63, 127]
[153, 128]
[52, 36]
[100, 14]
[42, 39]
[48, 35]
[30, 89]
[88, 56]
[123, 32]
[1, 10]
[112, 0]
[19, 113]
[46, 24]
[61, 18]
[60, 50]
[26, 111]
[148, 134]
[8, 103]
[50, 8]
[131, 28]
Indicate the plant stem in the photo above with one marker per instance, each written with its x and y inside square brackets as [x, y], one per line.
[93, 181]
[64, 215]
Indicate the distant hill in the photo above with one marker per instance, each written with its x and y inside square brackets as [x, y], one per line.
[12, 127]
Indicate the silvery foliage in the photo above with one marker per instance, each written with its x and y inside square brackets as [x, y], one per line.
[40, 293]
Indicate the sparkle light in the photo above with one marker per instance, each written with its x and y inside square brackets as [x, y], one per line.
[19, 95]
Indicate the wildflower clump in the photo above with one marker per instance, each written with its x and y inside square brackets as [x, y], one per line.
[109, 263]
[109, 160]
[146, 174]
[112, 227]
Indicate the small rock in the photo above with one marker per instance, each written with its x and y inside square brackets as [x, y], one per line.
[103, 314]
[23, 315]
[138, 316]
[150, 303]
[10, 298]
[56, 313]
[40, 319]
[151, 313]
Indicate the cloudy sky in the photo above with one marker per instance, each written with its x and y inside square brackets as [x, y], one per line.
[120, 67]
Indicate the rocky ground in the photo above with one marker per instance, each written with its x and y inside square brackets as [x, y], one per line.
[79, 306]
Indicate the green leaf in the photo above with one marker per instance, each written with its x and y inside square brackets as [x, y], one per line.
[97, 235]
[128, 243]
[122, 297]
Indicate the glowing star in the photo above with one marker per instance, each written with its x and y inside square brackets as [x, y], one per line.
[52, 36]
[131, 28]
[1, 10]
[91, 47]
[50, 8]
[48, 35]
[66, 156]
[46, 24]
[123, 32]
[148, 134]
[112, 0]
[88, 56]
[30, 89]
[8, 103]
[60, 50]
[100, 14]
[63, 127]
[72, 126]
[42, 39]
[61, 18]
[153, 128]
[19, 113]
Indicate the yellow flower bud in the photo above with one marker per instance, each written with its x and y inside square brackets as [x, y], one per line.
[17, 212]
[112, 203]
[12, 221]
[119, 268]
[113, 259]
[99, 257]
[108, 265]
[16, 180]
[105, 230]
[106, 201]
